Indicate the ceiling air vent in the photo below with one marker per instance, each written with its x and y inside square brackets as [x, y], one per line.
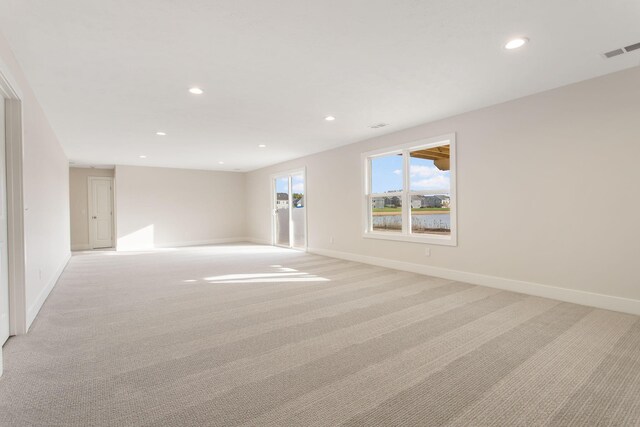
[621, 50]
[613, 53]
[632, 47]
[379, 125]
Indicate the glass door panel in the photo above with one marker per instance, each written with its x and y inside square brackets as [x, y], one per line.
[298, 214]
[282, 211]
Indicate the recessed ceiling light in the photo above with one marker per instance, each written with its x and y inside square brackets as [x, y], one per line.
[516, 43]
[262, 146]
[221, 163]
[196, 91]
[329, 118]
[143, 157]
[161, 133]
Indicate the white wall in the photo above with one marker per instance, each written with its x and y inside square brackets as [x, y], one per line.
[563, 169]
[46, 194]
[79, 204]
[159, 207]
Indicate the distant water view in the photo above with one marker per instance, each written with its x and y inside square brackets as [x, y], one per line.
[421, 222]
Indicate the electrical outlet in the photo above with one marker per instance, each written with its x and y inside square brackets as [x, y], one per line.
[427, 251]
[331, 239]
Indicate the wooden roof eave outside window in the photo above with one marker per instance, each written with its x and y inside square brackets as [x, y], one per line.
[434, 153]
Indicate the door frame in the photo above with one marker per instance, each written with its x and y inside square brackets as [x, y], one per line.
[272, 195]
[14, 130]
[90, 180]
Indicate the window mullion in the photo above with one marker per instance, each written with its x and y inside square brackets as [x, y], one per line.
[369, 212]
[368, 195]
[406, 199]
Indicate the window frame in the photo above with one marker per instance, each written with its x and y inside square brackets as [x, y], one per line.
[406, 193]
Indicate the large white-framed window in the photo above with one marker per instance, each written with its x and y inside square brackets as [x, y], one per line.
[410, 192]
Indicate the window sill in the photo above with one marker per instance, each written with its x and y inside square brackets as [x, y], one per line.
[431, 240]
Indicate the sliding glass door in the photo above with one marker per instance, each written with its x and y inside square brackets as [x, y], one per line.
[282, 212]
[289, 210]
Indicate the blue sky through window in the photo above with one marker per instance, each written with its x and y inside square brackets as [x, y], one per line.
[282, 185]
[425, 176]
[386, 175]
[297, 184]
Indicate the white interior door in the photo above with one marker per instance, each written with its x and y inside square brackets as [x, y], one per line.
[4, 257]
[100, 212]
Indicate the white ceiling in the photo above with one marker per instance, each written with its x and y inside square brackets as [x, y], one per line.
[109, 74]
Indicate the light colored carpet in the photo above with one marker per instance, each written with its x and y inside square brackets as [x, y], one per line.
[254, 335]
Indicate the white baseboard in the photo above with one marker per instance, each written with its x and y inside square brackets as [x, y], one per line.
[257, 241]
[608, 302]
[33, 311]
[81, 247]
[184, 244]
[202, 242]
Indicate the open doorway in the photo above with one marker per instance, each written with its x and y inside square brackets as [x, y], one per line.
[91, 199]
[289, 227]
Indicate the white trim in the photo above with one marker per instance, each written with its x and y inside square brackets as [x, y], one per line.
[432, 239]
[15, 218]
[405, 235]
[607, 302]
[44, 293]
[12, 96]
[81, 247]
[186, 244]
[202, 242]
[9, 89]
[273, 197]
[114, 207]
[257, 241]
[83, 166]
